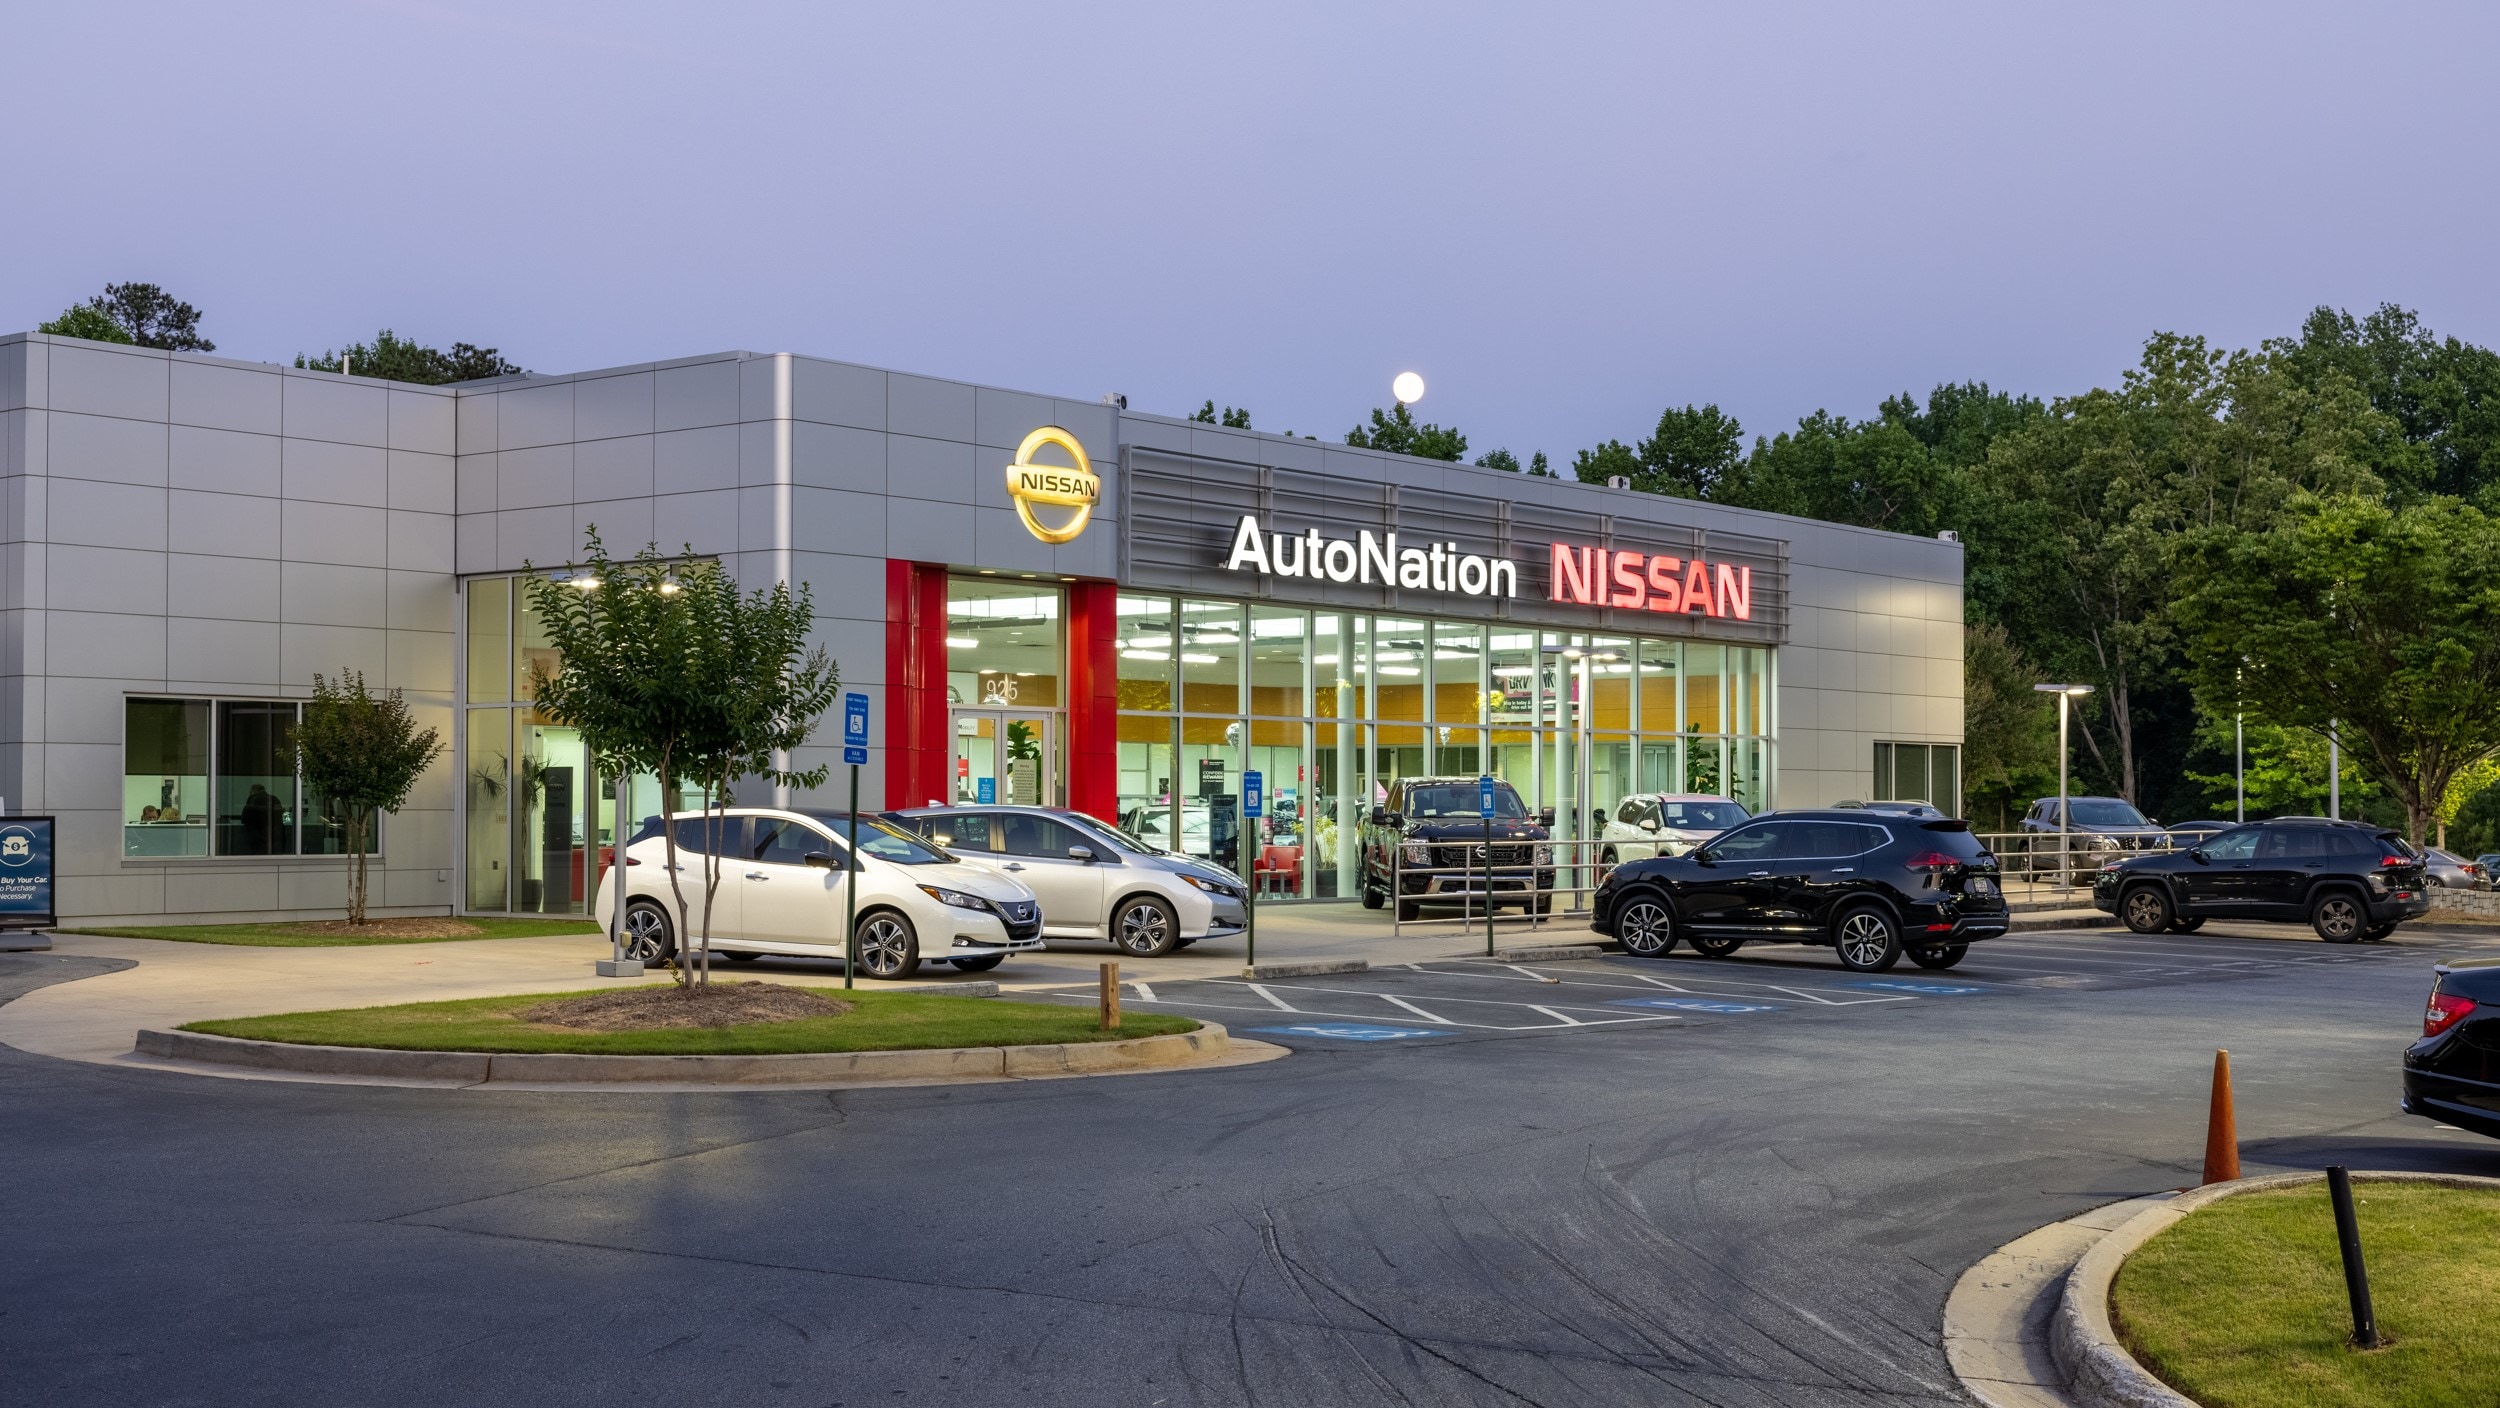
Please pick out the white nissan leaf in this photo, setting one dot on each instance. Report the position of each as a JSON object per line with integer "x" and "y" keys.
{"x": 783, "y": 887}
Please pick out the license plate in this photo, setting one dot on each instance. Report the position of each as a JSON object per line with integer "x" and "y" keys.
{"x": 1982, "y": 885}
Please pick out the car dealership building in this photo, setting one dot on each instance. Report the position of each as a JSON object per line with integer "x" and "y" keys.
{"x": 1050, "y": 600}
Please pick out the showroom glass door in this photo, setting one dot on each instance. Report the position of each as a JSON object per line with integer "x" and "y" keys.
{"x": 1006, "y": 756}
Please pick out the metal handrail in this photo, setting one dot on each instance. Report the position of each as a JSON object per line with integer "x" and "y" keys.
{"x": 1573, "y": 865}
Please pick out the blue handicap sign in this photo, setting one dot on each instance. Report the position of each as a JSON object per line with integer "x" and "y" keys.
{"x": 986, "y": 791}
{"x": 1910, "y": 985}
{"x": 855, "y": 720}
{"x": 1693, "y": 1004}
{"x": 1349, "y": 1031}
{"x": 1484, "y": 796}
{"x": 1253, "y": 795}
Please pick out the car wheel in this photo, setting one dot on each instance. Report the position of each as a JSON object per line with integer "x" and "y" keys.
{"x": 2377, "y": 932}
{"x": 1645, "y": 927}
{"x": 1939, "y": 956}
{"x": 979, "y": 965}
{"x": 737, "y": 955}
{"x": 2338, "y": 918}
{"x": 1715, "y": 948}
{"x": 2186, "y": 926}
{"x": 1867, "y": 940}
{"x": 1409, "y": 911}
{"x": 1372, "y": 897}
{"x": 2146, "y": 909}
{"x": 887, "y": 946}
{"x": 1544, "y": 903}
{"x": 1144, "y": 927}
{"x": 648, "y": 936}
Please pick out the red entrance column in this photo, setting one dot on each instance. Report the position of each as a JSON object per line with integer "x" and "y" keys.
{"x": 916, "y": 747}
{"x": 1094, "y": 699}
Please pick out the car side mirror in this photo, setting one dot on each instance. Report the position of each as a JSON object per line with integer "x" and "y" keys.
{"x": 1650, "y": 825}
{"x": 1380, "y": 816}
{"x": 1597, "y": 816}
{"x": 821, "y": 861}
{"x": 2198, "y": 855}
{"x": 1703, "y": 858}
{"x": 1545, "y": 817}
{"x": 1085, "y": 853}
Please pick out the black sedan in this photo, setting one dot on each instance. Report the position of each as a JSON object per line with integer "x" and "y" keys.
{"x": 2453, "y": 1073}
{"x": 1871, "y": 885}
{"x": 2346, "y": 879}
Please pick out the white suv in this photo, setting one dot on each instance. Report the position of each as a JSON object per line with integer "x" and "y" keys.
{"x": 782, "y": 891}
{"x": 1649, "y": 824}
{"x": 1095, "y": 880}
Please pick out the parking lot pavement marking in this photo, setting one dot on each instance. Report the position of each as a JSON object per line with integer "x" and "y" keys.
{"x": 1557, "y": 1016}
{"x": 1696, "y": 1004}
{"x": 1347, "y": 1031}
{"x": 1912, "y": 985}
{"x": 1411, "y": 1007}
{"x": 1144, "y": 993}
{"x": 1703, "y": 984}
{"x": 1273, "y": 1000}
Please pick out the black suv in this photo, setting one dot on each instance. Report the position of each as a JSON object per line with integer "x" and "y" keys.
{"x": 1872, "y": 885}
{"x": 1430, "y": 824}
{"x": 2346, "y": 879}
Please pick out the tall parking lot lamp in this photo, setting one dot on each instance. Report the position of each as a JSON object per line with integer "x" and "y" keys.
{"x": 2066, "y": 696}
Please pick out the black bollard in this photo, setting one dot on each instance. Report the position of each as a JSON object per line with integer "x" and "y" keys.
{"x": 2356, "y": 1275}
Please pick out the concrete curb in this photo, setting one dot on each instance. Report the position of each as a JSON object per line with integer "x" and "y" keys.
{"x": 26, "y": 941}
{"x": 2083, "y": 1341}
{"x": 1306, "y": 970}
{"x": 1550, "y": 953}
{"x": 2033, "y": 924}
{"x": 1205, "y": 1046}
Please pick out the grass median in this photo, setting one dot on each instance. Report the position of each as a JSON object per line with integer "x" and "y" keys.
{"x": 2242, "y": 1305}
{"x": 337, "y": 933}
{"x": 876, "y": 1021}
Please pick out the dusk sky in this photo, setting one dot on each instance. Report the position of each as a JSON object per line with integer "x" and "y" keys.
{"x": 1565, "y": 216}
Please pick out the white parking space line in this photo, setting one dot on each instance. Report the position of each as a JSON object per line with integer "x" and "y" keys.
{"x": 1557, "y": 1016}
{"x": 1706, "y": 985}
{"x": 1144, "y": 993}
{"x": 1561, "y": 1022}
{"x": 1411, "y": 1007}
{"x": 1272, "y": 999}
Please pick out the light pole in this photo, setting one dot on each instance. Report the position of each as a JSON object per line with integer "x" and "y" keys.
{"x": 2066, "y": 695}
{"x": 2334, "y": 773}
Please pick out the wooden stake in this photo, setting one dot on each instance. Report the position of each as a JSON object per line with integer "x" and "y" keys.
{"x": 2222, "y": 1140}
{"x": 1111, "y": 997}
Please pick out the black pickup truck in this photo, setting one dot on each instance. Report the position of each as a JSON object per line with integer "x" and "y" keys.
{"x": 1427, "y": 845}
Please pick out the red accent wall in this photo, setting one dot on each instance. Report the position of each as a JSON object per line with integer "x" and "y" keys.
{"x": 1094, "y": 698}
{"x": 915, "y": 684}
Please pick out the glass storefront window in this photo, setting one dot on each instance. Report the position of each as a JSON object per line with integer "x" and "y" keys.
{"x": 550, "y": 793}
{"x": 1510, "y": 676}
{"x": 1661, "y": 767}
{"x": 1704, "y": 665}
{"x": 1002, "y": 642}
{"x": 1146, "y": 643}
{"x": 165, "y": 777}
{"x": 1210, "y": 657}
{"x": 1457, "y": 673}
{"x": 1339, "y": 665}
{"x": 1400, "y": 652}
{"x": 1146, "y": 775}
{"x": 1660, "y": 686}
{"x": 489, "y": 786}
{"x": 255, "y": 784}
{"x": 1210, "y": 788}
{"x": 490, "y": 640}
{"x": 1279, "y": 646}
{"x": 1611, "y": 672}
{"x": 1277, "y": 847}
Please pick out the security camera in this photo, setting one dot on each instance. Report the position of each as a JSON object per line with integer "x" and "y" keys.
{"x": 1115, "y": 399}
{"x": 1618, "y": 481}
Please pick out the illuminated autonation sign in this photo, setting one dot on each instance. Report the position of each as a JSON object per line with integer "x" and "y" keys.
{"x": 1438, "y": 568}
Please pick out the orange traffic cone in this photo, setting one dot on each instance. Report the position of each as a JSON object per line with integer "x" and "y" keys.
{"x": 2222, "y": 1138}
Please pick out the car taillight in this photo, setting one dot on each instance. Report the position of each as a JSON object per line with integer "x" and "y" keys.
{"x": 2386, "y": 862}
{"x": 2446, "y": 1010}
{"x": 1933, "y": 863}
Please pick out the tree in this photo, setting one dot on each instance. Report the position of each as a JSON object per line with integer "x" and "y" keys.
{"x": 148, "y": 315}
{"x": 390, "y": 357}
{"x": 1237, "y": 419}
{"x": 362, "y": 754}
{"x": 2318, "y": 621}
{"x": 1690, "y": 454}
{"x": 2442, "y": 395}
{"x": 1610, "y": 461}
{"x": 668, "y": 669}
{"x": 87, "y": 321}
{"x": 1505, "y": 460}
{"x": 2009, "y": 742}
{"x": 1396, "y": 431}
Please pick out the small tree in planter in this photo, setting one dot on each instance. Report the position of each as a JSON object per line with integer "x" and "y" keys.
{"x": 669, "y": 669}
{"x": 363, "y": 753}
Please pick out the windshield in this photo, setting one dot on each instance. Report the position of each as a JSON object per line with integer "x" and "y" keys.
{"x": 2102, "y": 811}
{"x": 1702, "y": 816}
{"x": 1459, "y": 799}
{"x": 880, "y": 839}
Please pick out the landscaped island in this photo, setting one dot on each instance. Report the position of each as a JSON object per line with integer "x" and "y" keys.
{"x": 728, "y": 1019}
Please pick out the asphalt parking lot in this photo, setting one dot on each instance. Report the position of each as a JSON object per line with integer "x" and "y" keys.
{"x": 1555, "y": 1198}
{"x": 1463, "y": 999}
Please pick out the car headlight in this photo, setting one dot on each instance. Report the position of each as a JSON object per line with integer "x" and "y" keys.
{"x": 1212, "y": 887}
{"x": 957, "y": 898}
{"x": 1545, "y": 855}
{"x": 1416, "y": 853}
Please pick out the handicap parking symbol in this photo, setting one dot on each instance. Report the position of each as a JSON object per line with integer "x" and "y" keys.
{"x": 1693, "y": 1004}
{"x": 1349, "y": 1031}
{"x": 1907, "y": 985}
